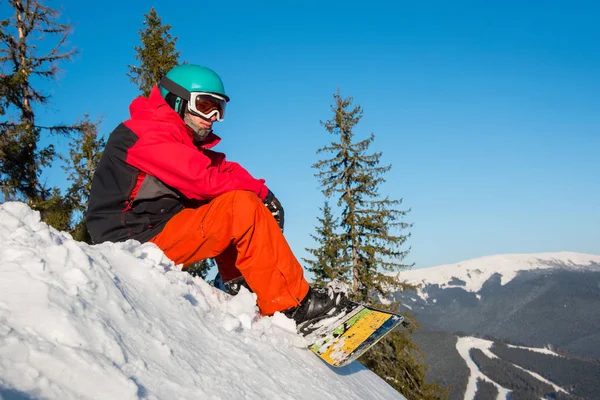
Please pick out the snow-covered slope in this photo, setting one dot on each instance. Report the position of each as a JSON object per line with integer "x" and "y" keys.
{"x": 472, "y": 274}
{"x": 120, "y": 321}
{"x": 465, "y": 344}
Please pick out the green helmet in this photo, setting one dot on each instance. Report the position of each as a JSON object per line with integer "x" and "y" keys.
{"x": 191, "y": 78}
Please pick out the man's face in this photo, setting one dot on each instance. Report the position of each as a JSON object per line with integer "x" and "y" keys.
{"x": 202, "y": 122}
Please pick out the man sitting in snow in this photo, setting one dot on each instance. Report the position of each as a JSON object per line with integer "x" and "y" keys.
{"x": 159, "y": 181}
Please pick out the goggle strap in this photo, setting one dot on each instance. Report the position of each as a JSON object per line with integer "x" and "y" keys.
{"x": 174, "y": 88}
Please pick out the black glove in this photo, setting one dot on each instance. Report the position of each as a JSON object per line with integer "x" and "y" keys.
{"x": 275, "y": 207}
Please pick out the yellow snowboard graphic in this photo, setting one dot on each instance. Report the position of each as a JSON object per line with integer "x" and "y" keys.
{"x": 346, "y": 340}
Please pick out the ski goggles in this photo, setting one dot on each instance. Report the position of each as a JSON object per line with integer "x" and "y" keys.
{"x": 207, "y": 105}
{"x": 202, "y": 104}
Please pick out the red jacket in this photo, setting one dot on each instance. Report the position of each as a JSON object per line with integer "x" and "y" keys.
{"x": 151, "y": 169}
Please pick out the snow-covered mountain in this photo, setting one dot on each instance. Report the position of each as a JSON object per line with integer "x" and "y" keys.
{"x": 530, "y": 299}
{"x": 471, "y": 275}
{"x": 539, "y": 301}
{"x": 120, "y": 321}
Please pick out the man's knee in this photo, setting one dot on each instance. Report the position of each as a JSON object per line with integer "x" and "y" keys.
{"x": 245, "y": 199}
{"x": 239, "y": 201}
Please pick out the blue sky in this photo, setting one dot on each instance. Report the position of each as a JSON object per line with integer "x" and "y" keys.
{"x": 488, "y": 113}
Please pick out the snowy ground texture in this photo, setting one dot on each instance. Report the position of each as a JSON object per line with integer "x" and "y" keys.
{"x": 120, "y": 321}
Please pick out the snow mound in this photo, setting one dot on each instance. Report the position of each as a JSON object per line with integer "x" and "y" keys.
{"x": 121, "y": 321}
{"x": 472, "y": 274}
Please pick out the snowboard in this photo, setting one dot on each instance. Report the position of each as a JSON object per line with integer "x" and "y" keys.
{"x": 341, "y": 339}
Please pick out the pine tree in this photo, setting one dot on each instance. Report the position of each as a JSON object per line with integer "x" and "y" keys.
{"x": 156, "y": 54}
{"x": 371, "y": 242}
{"x": 21, "y": 161}
{"x": 201, "y": 268}
{"x": 399, "y": 361}
{"x": 328, "y": 263}
{"x": 55, "y": 209}
{"x": 85, "y": 151}
{"x": 371, "y": 225}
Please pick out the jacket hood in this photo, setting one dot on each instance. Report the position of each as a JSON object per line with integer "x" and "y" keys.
{"x": 155, "y": 109}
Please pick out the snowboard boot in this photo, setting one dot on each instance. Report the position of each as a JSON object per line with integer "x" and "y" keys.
{"x": 231, "y": 287}
{"x": 319, "y": 303}
{"x": 234, "y": 286}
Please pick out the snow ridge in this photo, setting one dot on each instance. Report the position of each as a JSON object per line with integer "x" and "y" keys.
{"x": 122, "y": 321}
{"x": 470, "y": 275}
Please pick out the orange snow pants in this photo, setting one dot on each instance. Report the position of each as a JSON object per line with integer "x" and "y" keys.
{"x": 239, "y": 232}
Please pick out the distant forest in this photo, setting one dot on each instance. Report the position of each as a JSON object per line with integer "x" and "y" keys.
{"x": 485, "y": 390}
{"x": 580, "y": 378}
